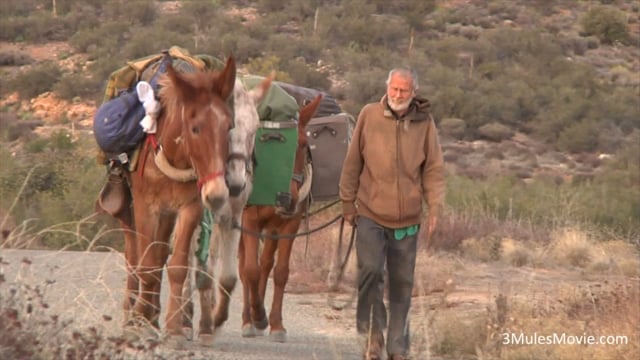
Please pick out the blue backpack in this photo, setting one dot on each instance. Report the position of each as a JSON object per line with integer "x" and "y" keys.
{"x": 116, "y": 123}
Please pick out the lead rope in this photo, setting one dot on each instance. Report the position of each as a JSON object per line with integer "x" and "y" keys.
{"x": 334, "y": 285}
{"x": 306, "y": 224}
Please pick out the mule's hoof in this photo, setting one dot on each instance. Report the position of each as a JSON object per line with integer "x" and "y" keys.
{"x": 176, "y": 341}
{"x": 249, "y": 331}
{"x": 187, "y": 333}
{"x": 206, "y": 339}
{"x": 139, "y": 330}
{"x": 262, "y": 324}
{"x": 278, "y": 336}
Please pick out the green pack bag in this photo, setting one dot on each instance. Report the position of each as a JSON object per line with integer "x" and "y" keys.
{"x": 275, "y": 146}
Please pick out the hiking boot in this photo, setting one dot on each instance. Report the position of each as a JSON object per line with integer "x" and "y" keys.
{"x": 397, "y": 357}
{"x": 115, "y": 194}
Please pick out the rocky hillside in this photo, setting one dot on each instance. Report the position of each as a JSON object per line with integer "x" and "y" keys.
{"x": 519, "y": 154}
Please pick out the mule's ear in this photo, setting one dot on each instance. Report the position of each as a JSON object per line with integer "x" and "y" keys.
{"x": 183, "y": 88}
{"x": 307, "y": 111}
{"x": 258, "y": 92}
{"x": 226, "y": 79}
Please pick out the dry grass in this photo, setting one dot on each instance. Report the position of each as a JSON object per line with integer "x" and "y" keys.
{"x": 32, "y": 328}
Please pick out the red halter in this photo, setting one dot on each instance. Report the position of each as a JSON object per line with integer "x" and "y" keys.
{"x": 212, "y": 176}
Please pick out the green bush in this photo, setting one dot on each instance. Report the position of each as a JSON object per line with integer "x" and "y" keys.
{"x": 77, "y": 85}
{"x": 140, "y": 12}
{"x": 495, "y": 132}
{"x": 13, "y": 58}
{"x": 607, "y": 23}
{"x": 306, "y": 75}
{"x": 37, "y": 80}
{"x": 608, "y": 203}
{"x": 453, "y": 127}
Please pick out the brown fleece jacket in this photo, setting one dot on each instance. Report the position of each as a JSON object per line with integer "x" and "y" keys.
{"x": 392, "y": 165}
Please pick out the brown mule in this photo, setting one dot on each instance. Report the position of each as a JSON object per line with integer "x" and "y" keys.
{"x": 272, "y": 221}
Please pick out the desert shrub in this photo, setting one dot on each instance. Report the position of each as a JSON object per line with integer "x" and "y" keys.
{"x": 13, "y": 28}
{"x": 365, "y": 85}
{"x": 147, "y": 41}
{"x": 549, "y": 204}
{"x": 31, "y": 330}
{"x": 306, "y": 75}
{"x": 37, "y": 80}
{"x": 61, "y": 140}
{"x": 453, "y": 127}
{"x": 459, "y": 339}
{"x": 141, "y": 12}
{"x": 241, "y": 45}
{"x": 607, "y": 23}
{"x": 100, "y": 41}
{"x": 77, "y": 85}
{"x": 270, "y": 5}
{"x": 572, "y": 247}
{"x": 13, "y": 58}
{"x": 288, "y": 49}
{"x": 59, "y": 184}
{"x": 576, "y": 45}
{"x": 265, "y": 65}
{"x": 39, "y": 26}
{"x": 17, "y": 8}
{"x": 481, "y": 249}
{"x": 495, "y": 132}
{"x": 579, "y": 136}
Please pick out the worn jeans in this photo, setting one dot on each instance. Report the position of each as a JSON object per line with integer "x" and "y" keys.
{"x": 375, "y": 247}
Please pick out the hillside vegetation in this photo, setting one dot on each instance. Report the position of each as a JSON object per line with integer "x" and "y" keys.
{"x": 526, "y": 95}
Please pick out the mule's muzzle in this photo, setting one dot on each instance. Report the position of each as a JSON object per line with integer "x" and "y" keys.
{"x": 236, "y": 190}
{"x": 215, "y": 202}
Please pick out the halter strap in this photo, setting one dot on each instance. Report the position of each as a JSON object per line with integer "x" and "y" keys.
{"x": 208, "y": 178}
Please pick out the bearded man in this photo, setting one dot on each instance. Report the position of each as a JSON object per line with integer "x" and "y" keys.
{"x": 393, "y": 164}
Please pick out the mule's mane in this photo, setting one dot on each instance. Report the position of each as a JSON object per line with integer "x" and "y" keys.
{"x": 199, "y": 85}
{"x": 245, "y": 109}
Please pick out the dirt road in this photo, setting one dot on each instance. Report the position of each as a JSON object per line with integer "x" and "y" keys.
{"x": 86, "y": 286}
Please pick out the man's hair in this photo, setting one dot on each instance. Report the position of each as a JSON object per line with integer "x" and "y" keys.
{"x": 405, "y": 72}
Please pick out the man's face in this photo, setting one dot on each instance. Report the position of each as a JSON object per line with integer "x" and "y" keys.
{"x": 399, "y": 92}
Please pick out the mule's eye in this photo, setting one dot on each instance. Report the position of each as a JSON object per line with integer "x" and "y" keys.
{"x": 195, "y": 130}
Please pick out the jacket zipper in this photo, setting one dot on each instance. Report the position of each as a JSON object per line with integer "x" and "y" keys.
{"x": 400, "y": 202}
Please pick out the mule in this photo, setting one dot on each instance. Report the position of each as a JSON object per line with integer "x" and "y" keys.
{"x": 182, "y": 169}
{"x": 225, "y": 235}
{"x": 277, "y": 225}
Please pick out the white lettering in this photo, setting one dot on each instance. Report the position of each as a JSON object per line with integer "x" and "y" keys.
{"x": 562, "y": 339}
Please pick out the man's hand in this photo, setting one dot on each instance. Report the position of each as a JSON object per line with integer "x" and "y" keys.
{"x": 350, "y": 218}
{"x": 432, "y": 222}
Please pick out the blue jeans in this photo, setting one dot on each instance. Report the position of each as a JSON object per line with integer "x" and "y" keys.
{"x": 376, "y": 247}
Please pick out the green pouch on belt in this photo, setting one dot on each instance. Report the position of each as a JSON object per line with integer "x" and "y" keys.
{"x": 401, "y": 233}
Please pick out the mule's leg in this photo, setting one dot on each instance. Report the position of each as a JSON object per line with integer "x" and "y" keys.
{"x": 204, "y": 283}
{"x": 280, "y": 277}
{"x": 187, "y": 290}
{"x": 228, "y": 254}
{"x": 149, "y": 268}
{"x": 267, "y": 259}
{"x": 131, "y": 259}
{"x": 247, "y": 326}
{"x": 251, "y": 272}
{"x": 164, "y": 229}
{"x": 188, "y": 219}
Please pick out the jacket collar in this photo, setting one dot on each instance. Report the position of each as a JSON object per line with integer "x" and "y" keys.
{"x": 418, "y": 110}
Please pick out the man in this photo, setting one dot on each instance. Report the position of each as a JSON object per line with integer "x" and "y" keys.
{"x": 393, "y": 163}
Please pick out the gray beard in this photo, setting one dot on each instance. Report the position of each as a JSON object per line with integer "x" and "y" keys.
{"x": 399, "y": 107}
